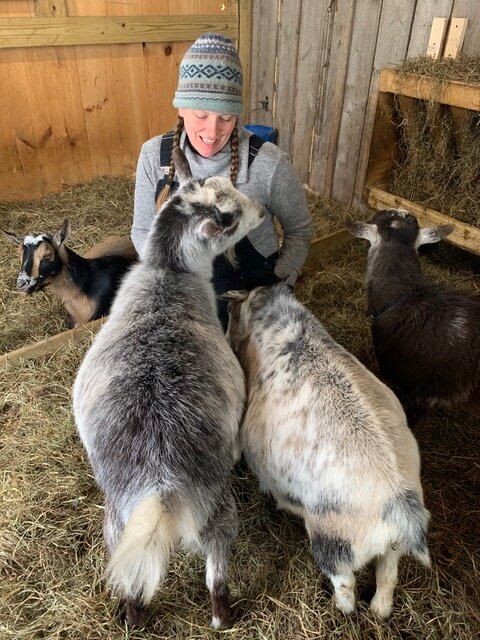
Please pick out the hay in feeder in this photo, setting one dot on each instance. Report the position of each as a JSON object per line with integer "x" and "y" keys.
{"x": 462, "y": 69}
{"x": 97, "y": 209}
{"x": 52, "y": 558}
{"x": 437, "y": 163}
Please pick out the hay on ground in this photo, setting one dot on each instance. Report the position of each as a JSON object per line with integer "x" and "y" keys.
{"x": 52, "y": 558}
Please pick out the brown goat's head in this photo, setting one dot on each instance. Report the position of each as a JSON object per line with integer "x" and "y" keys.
{"x": 40, "y": 257}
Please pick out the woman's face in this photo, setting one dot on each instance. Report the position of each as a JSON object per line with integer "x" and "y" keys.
{"x": 208, "y": 132}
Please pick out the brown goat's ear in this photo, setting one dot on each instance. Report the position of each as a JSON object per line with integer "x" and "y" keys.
{"x": 63, "y": 233}
{"x": 182, "y": 168}
{"x": 429, "y": 235}
{"x": 362, "y": 229}
{"x": 13, "y": 237}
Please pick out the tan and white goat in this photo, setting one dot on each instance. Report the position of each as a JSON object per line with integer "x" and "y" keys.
{"x": 330, "y": 442}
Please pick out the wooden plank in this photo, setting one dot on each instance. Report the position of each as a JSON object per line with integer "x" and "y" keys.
{"x": 326, "y": 246}
{"x": 99, "y": 99}
{"x": 456, "y": 34}
{"x": 392, "y": 42}
{"x": 469, "y": 9}
{"x": 361, "y": 59}
{"x": 327, "y": 122}
{"x": 264, "y": 46}
{"x": 312, "y": 40}
{"x": 130, "y": 91}
{"x": 437, "y": 37}
{"x": 17, "y": 8}
{"x": 50, "y": 8}
{"x": 464, "y": 235}
{"x": 76, "y": 30}
{"x": 287, "y": 65}
{"x": 455, "y": 94}
{"x": 245, "y": 50}
{"x": 51, "y": 344}
{"x": 425, "y": 12}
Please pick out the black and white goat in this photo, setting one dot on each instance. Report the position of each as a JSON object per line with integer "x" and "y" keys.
{"x": 426, "y": 336}
{"x": 86, "y": 286}
{"x": 159, "y": 398}
{"x": 330, "y": 442}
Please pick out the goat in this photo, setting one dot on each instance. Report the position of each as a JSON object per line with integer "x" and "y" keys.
{"x": 159, "y": 398}
{"x": 86, "y": 286}
{"x": 426, "y": 336}
{"x": 330, "y": 442}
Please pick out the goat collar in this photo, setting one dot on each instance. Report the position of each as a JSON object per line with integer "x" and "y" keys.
{"x": 388, "y": 307}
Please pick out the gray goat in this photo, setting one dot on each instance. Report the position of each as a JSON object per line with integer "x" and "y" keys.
{"x": 330, "y": 442}
{"x": 159, "y": 398}
{"x": 426, "y": 336}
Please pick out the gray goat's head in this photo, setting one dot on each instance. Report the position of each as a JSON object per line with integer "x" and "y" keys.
{"x": 40, "y": 257}
{"x": 201, "y": 220}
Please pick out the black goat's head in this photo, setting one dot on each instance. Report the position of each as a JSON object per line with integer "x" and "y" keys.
{"x": 400, "y": 227}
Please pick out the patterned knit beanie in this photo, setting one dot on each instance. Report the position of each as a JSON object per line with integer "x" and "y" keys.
{"x": 210, "y": 76}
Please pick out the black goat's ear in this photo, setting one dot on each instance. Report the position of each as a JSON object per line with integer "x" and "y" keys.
{"x": 63, "y": 233}
{"x": 430, "y": 235}
{"x": 362, "y": 229}
{"x": 182, "y": 168}
{"x": 13, "y": 237}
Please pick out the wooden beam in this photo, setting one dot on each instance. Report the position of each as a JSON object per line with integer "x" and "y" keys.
{"x": 244, "y": 50}
{"x": 455, "y": 94}
{"x": 464, "y": 235}
{"x": 77, "y": 30}
{"x": 51, "y": 344}
{"x": 456, "y": 34}
{"x": 326, "y": 245}
{"x": 437, "y": 36}
{"x": 50, "y": 8}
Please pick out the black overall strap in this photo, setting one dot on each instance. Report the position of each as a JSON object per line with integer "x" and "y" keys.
{"x": 254, "y": 145}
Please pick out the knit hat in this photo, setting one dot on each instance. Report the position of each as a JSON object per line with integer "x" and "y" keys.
{"x": 210, "y": 76}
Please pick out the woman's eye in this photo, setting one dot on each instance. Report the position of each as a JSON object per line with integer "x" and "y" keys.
{"x": 226, "y": 118}
{"x": 201, "y": 116}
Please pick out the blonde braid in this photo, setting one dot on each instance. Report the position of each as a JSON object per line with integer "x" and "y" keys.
{"x": 165, "y": 192}
{"x": 234, "y": 160}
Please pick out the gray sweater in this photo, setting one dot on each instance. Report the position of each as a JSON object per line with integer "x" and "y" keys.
{"x": 269, "y": 180}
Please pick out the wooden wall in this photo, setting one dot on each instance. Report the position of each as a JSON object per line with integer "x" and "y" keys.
{"x": 318, "y": 61}
{"x": 70, "y": 113}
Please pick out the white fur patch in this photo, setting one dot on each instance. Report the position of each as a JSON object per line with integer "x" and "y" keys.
{"x": 29, "y": 239}
{"x": 216, "y": 623}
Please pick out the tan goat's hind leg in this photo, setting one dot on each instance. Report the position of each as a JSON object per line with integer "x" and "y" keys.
{"x": 386, "y": 575}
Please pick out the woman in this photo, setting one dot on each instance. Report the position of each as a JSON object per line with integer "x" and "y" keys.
{"x": 209, "y": 131}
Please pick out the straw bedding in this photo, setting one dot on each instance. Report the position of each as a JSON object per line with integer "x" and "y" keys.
{"x": 51, "y": 553}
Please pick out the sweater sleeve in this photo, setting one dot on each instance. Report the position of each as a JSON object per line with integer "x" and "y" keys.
{"x": 288, "y": 203}
{"x": 144, "y": 207}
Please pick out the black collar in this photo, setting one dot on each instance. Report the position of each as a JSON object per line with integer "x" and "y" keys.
{"x": 388, "y": 307}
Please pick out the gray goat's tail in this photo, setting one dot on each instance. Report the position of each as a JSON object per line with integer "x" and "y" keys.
{"x": 411, "y": 518}
{"x": 140, "y": 561}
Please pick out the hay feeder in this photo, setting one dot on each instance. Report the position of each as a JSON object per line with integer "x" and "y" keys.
{"x": 462, "y": 98}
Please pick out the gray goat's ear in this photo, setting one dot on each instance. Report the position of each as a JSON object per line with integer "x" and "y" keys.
{"x": 239, "y": 295}
{"x": 362, "y": 230}
{"x": 429, "y": 235}
{"x": 182, "y": 168}
{"x": 208, "y": 229}
{"x": 13, "y": 237}
{"x": 63, "y": 233}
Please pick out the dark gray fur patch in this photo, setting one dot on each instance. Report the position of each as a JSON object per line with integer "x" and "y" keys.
{"x": 331, "y": 552}
{"x": 327, "y": 505}
{"x": 411, "y": 517}
{"x": 295, "y": 502}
